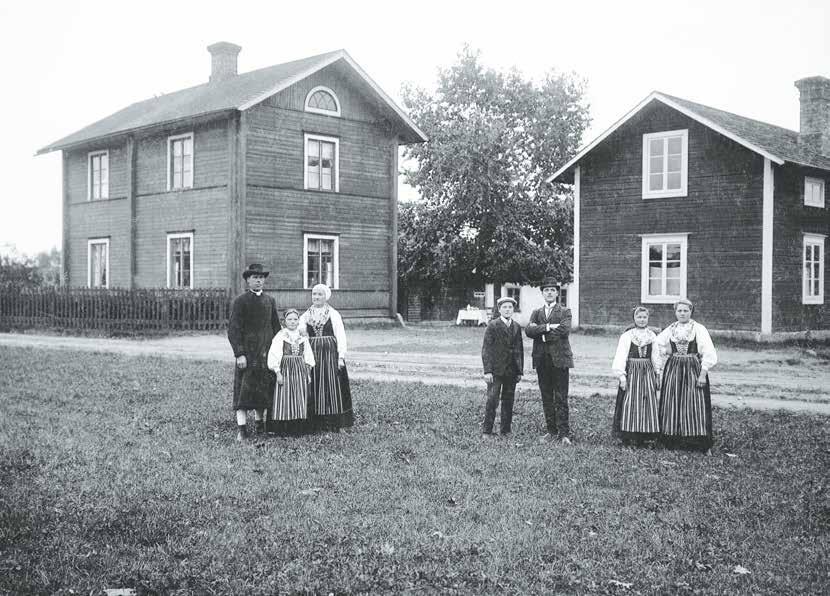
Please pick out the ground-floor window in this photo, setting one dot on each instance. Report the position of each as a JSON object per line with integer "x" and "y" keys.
{"x": 180, "y": 260}
{"x": 663, "y": 274}
{"x": 513, "y": 291}
{"x": 98, "y": 263}
{"x": 321, "y": 264}
{"x": 813, "y": 270}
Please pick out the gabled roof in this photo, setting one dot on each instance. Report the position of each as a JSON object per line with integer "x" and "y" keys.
{"x": 779, "y": 145}
{"x": 239, "y": 92}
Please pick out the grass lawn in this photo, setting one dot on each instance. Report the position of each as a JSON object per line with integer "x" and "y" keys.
{"x": 120, "y": 471}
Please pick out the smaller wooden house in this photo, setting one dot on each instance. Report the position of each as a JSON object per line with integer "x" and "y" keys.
{"x": 294, "y": 166}
{"x": 678, "y": 199}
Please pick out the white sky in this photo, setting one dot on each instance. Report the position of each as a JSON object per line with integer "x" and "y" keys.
{"x": 66, "y": 64}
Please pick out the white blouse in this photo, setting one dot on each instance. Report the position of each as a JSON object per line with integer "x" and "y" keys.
{"x": 275, "y": 353}
{"x": 623, "y": 347}
{"x": 708, "y": 355}
{"x": 337, "y": 327}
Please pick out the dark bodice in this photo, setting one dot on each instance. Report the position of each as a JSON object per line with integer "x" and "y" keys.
{"x": 691, "y": 349}
{"x": 290, "y": 349}
{"x": 634, "y": 351}
{"x": 327, "y": 330}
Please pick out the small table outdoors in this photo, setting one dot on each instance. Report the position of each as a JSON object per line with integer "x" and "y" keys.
{"x": 475, "y": 316}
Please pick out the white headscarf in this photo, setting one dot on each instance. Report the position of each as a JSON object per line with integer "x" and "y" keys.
{"x": 324, "y": 287}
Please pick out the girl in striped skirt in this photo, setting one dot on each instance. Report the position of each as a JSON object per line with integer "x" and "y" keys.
{"x": 686, "y": 356}
{"x": 330, "y": 401}
{"x": 635, "y": 414}
{"x": 292, "y": 359}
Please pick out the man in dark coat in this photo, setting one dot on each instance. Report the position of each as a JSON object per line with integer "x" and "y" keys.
{"x": 502, "y": 355}
{"x": 252, "y": 325}
{"x": 549, "y": 327}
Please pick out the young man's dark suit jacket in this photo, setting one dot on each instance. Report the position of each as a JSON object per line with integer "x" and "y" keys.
{"x": 502, "y": 353}
{"x": 555, "y": 345}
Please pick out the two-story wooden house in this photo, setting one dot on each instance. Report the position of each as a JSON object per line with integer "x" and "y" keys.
{"x": 294, "y": 166}
{"x": 680, "y": 199}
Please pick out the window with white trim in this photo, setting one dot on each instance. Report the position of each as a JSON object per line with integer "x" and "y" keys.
{"x": 563, "y": 295}
{"x": 180, "y": 260}
{"x": 665, "y": 164}
{"x": 813, "y": 270}
{"x": 322, "y": 163}
{"x": 663, "y": 268}
{"x": 322, "y": 100}
{"x": 98, "y": 263}
{"x": 180, "y": 161}
{"x": 99, "y": 175}
{"x": 814, "y": 192}
{"x": 321, "y": 262}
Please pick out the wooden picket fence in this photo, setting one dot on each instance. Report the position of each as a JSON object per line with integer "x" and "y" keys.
{"x": 138, "y": 310}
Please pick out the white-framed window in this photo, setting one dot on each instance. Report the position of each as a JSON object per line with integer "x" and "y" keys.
{"x": 563, "y": 295}
{"x": 513, "y": 291}
{"x": 321, "y": 258}
{"x": 665, "y": 164}
{"x": 180, "y": 161}
{"x": 98, "y": 263}
{"x": 813, "y": 270}
{"x": 98, "y": 180}
{"x": 663, "y": 268}
{"x": 322, "y": 163}
{"x": 180, "y": 260}
{"x": 322, "y": 100}
{"x": 814, "y": 192}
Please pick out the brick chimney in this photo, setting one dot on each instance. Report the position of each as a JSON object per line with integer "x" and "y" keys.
{"x": 814, "y": 127}
{"x": 223, "y": 60}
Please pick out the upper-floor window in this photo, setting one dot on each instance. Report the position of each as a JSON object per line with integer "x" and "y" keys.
{"x": 665, "y": 164}
{"x": 813, "y": 276}
{"x": 180, "y": 161}
{"x": 98, "y": 263}
{"x": 99, "y": 175}
{"x": 180, "y": 260}
{"x": 322, "y": 159}
{"x": 814, "y": 192}
{"x": 663, "y": 273}
{"x": 322, "y": 258}
{"x": 322, "y": 100}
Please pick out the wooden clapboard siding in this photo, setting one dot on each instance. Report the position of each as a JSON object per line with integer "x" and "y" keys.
{"x": 348, "y": 302}
{"x": 203, "y": 212}
{"x": 277, "y": 220}
{"x": 275, "y": 150}
{"x": 78, "y": 172}
{"x": 725, "y": 189}
{"x": 792, "y": 218}
{"x": 210, "y": 157}
{"x": 99, "y": 219}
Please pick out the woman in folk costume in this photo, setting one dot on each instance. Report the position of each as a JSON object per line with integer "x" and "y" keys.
{"x": 330, "y": 400}
{"x": 686, "y": 356}
{"x": 635, "y": 415}
{"x": 292, "y": 359}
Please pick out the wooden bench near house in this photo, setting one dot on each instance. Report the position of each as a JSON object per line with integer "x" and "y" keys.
{"x": 294, "y": 166}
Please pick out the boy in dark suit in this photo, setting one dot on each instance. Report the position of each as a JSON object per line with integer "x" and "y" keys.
{"x": 549, "y": 328}
{"x": 502, "y": 355}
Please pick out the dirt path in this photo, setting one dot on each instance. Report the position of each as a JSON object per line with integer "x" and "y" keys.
{"x": 769, "y": 380}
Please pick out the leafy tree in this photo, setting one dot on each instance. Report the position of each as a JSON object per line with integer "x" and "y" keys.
{"x": 49, "y": 266}
{"x": 486, "y": 213}
{"x": 18, "y": 272}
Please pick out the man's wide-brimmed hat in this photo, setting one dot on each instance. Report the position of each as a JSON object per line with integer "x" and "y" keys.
{"x": 504, "y": 299}
{"x": 549, "y": 282}
{"x": 255, "y": 269}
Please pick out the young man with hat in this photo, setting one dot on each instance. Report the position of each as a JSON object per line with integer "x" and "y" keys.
{"x": 253, "y": 323}
{"x": 502, "y": 355}
{"x": 549, "y": 327}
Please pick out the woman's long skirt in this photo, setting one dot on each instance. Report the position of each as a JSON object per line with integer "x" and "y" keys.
{"x": 330, "y": 397}
{"x": 636, "y": 413}
{"x": 289, "y": 412}
{"x": 685, "y": 408}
